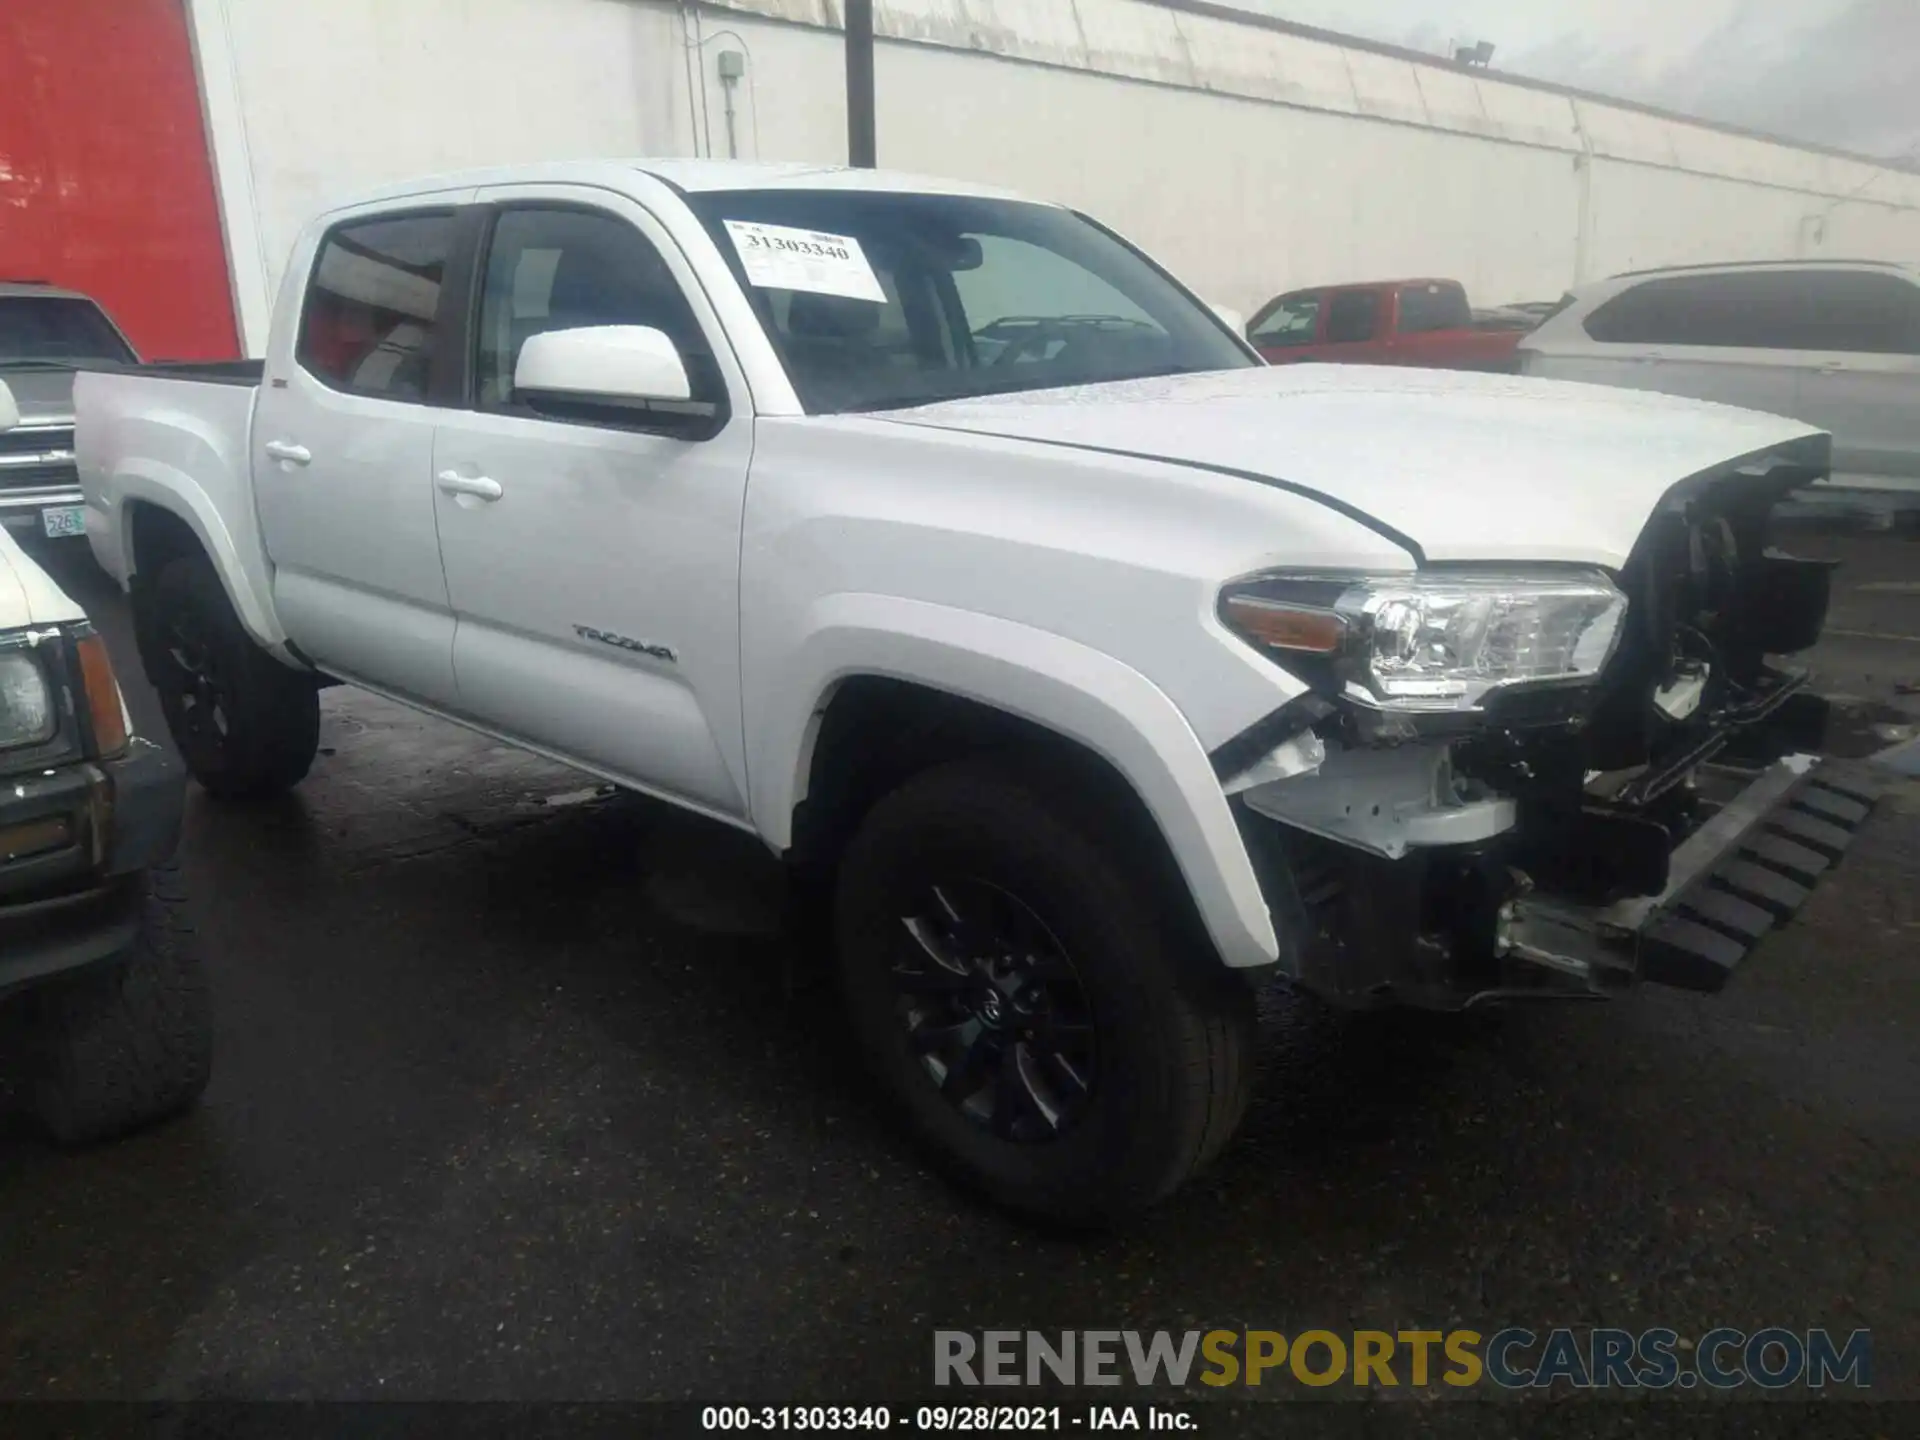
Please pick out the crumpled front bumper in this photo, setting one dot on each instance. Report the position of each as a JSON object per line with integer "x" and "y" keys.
{"x": 1748, "y": 869}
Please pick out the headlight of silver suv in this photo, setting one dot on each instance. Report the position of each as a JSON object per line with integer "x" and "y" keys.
{"x": 1435, "y": 640}
{"x": 26, "y": 705}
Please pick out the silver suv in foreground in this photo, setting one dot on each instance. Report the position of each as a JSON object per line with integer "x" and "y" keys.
{"x": 1835, "y": 343}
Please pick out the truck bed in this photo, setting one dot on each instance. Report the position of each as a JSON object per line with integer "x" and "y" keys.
{"x": 178, "y": 433}
{"x": 213, "y": 372}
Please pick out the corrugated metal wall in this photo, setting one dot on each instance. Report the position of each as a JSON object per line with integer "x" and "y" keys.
{"x": 105, "y": 184}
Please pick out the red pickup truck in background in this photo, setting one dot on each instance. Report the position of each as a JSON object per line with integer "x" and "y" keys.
{"x": 1388, "y": 322}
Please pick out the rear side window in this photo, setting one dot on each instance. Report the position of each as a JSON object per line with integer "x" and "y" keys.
{"x": 1353, "y": 315}
{"x": 1861, "y": 312}
{"x": 1434, "y": 306}
{"x": 1291, "y": 321}
{"x": 1761, "y": 310}
{"x": 369, "y": 322}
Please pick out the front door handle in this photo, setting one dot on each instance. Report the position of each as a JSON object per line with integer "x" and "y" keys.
{"x": 288, "y": 451}
{"x": 478, "y": 486}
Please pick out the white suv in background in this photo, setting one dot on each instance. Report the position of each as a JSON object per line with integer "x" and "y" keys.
{"x": 1834, "y": 343}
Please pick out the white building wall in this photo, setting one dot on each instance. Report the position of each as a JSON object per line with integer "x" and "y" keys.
{"x": 1250, "y": 160}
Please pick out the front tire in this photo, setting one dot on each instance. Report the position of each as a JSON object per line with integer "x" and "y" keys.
{"x": 246, "y": 725}
{"x": 1021, "y": 989}
{"x": 130, "y": 1041}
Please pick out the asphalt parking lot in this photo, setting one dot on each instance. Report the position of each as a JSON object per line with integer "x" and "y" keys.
{"x": 520, "y": 1094}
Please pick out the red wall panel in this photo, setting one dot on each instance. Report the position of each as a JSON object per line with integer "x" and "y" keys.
{"x": 105, "y": 184}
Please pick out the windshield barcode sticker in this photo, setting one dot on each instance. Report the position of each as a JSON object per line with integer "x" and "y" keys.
{"x": 778, "y": 257}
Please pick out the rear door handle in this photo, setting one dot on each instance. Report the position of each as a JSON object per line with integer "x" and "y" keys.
{"x": 288, "y": 451}
{"x": 478, "y": 486}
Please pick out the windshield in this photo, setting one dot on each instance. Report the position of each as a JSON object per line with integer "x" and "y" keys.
{"x": 56, "y": 330}
{"x": 877, "y": 300}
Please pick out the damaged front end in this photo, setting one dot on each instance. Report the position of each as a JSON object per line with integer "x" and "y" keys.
{"x": 1585, "y": 780}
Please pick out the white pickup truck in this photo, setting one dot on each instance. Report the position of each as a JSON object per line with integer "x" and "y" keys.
{"x": 947, "y": 543}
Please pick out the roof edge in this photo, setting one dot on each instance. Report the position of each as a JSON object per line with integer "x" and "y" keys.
{"x": 1213, "y": 10}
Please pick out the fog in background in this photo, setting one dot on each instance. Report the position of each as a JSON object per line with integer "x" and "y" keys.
{"x": 1844, "y": 73}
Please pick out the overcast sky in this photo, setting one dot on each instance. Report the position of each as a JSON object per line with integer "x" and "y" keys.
{"x": 1836, "y": 72}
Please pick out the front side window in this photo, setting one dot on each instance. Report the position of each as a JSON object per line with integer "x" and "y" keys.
{"x": 878, "y": 300}
{"x": 1763, "y": 309}
{"x": 1353, "y": 315}
{"x": 554, "y": 268}
{"x": 58, "y": 330}
{"x": 370, "y": 316}
{"x": 1292, "y": 321}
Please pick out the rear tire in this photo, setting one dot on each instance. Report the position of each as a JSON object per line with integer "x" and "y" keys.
{"x": 1167, "y": 1035}
{"x": 130, "y": 1041}
{"x": 246, "y": 725}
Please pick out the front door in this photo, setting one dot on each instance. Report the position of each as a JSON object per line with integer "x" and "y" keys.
{"x": 343, "y": 459}
{"x": 594, "y": 568}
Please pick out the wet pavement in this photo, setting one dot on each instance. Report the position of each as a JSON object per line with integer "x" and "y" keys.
{"x": 520, "y": 1093}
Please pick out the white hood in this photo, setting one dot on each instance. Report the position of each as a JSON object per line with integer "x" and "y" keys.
{"x": 1466, "y": 466}
{"x": 27, "y": 595}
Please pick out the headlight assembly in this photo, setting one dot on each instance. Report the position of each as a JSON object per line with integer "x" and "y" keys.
{"x": 26, "y": 705}
{"x": 1435, "y": 640}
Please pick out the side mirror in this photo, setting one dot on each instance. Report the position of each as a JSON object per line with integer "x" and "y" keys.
{"x": 1231, "y": 318}
{"x": 9, "y": 409}
{"x": 602, "y": 365}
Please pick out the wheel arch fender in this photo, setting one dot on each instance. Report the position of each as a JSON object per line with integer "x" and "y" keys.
{"x": 151, "y": 485}
{"x": 1048, "y": 680}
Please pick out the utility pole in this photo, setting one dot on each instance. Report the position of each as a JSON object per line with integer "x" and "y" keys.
{"x": 860, "y": 141}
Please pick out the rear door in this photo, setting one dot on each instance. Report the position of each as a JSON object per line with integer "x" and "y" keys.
{"x": 596, "y": 580}
{"x": 1860, "y": 376}
{"x": 342, "y": 452}
{"x": 1356, "y": 322}
{"x": 1432, "y": 323}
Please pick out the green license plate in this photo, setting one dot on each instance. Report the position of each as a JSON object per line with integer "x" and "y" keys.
{"x": 64, "y": 520}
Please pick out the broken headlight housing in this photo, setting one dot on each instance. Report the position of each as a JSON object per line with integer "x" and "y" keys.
{"x": 1434, "y": 640}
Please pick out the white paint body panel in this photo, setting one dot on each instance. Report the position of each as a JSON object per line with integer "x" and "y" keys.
{"x": 677, "y": 615}
{"x": 28, "y": 595}
{"x": 350, "y": 530}
{"x": 1468, "y": 466}
{"x": 650, "y": 526}
{"x": 624, "y": 360}
{"x": 182, "y": 445}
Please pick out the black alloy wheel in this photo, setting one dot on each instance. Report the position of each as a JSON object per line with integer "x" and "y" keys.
{"x": 995, "y": 1011}
{"x": 201, "y": 715}
{"x": 1026, "y": 993}
{"x": 246, "y": 725}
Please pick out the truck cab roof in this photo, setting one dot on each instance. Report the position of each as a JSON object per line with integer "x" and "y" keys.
{"x": 692, "y": 176}
{"x": 37, "y": 289}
